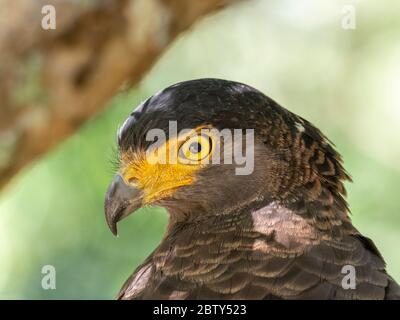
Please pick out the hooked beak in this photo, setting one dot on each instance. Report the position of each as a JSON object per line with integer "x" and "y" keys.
{"x": 121, "y": 200}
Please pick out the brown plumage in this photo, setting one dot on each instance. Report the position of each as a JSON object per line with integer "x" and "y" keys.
{"x": 282, "y": 232}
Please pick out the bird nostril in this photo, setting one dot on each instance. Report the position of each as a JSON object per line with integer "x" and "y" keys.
{"x": 132, "y": 180}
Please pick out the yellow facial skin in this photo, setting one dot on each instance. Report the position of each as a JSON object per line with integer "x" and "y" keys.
{"x": 160, "y": 171}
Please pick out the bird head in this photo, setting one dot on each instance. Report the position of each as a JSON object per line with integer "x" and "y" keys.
{"x": 209, "y": 145}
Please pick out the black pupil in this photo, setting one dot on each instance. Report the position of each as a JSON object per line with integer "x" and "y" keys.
{"x": 195, "y": 147}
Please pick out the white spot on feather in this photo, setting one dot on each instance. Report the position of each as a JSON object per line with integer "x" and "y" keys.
{"x": 121, "y": 128}
{"x": 137, "y": 109}
{"x": 300, "y": 127}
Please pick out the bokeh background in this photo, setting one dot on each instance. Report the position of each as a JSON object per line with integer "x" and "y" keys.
{"x": 347, "y": 82}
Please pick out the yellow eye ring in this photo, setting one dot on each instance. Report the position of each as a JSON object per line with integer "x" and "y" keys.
{"x": 195, "y": 149}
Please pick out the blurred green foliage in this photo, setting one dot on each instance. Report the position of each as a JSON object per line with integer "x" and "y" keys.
{"x": 347, "y": 82}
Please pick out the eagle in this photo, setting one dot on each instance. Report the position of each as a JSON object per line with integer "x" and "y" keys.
{"x": 275, "y": 226}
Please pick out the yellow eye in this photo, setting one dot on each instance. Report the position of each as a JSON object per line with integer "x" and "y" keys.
{"x": 195, "y": 149}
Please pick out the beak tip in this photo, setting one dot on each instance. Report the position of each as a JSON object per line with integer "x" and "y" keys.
{"x": 113, "y": 227}
{"x": 114, "y": 230}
